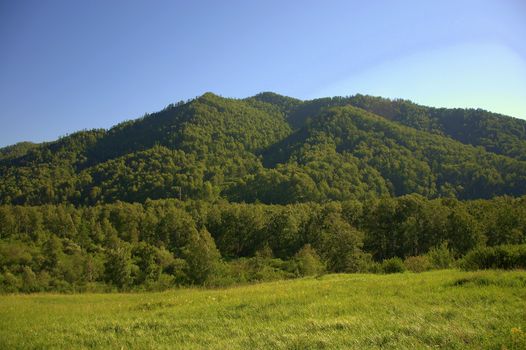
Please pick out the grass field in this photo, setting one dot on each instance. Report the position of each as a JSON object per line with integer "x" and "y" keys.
{"x": 440, "y": 309}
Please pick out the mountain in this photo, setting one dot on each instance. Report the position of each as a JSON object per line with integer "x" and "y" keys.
{"x": 272, "y": 187}
{"x": 275, "y": 149}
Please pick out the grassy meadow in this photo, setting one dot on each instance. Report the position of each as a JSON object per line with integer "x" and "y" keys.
{"x": 440, "y": 309}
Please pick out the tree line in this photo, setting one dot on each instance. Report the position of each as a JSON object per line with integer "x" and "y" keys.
{"x": 164, "y": 243}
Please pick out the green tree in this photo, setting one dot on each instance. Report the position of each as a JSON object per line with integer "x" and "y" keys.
{"x": 202, "y": 257}
{"x": 338, "y": 243}
{"x": 306, "y": 262}
{"x": 52, "y": 251}
{"x": 118, "y": 266}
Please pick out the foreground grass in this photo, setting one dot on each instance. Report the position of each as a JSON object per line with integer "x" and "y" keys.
{"x": 441, "y": 309}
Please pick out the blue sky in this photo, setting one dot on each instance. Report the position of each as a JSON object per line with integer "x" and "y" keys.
{"x": 71, "y": 65}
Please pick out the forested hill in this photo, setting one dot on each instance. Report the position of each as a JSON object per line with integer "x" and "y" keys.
{"x": 275, "y": 149}
{"x": 495, "y": 132}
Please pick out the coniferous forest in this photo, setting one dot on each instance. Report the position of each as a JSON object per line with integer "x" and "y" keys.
{"x": 217, "y": 191}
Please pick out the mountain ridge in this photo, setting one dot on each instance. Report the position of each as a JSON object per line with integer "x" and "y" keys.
{"x": 213, "y": 147}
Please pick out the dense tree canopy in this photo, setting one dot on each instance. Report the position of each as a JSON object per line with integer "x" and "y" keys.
{"x": 169, "y": 242}
{"x": 215, "y": 191}
{"x": 275, "y": 149}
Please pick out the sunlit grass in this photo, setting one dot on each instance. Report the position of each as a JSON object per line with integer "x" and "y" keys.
{"x": 440, "y": 309}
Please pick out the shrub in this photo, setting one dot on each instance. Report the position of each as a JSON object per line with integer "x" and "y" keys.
{"x": 9, "y": 283}
{"x": 271, "y": 272}
{"x": 256, "y": 269}
{"x": 499, "y": 257}
{"x": 61, "y": 286}
{"x": 393, "y": 265}
{"x": 361, "y": 262}
{"x": 440, "y": 257}
{"x": 417, "y": 263}
{"x": 164, "y": 282}
{"x": 307, "y": 262}
{"x": 224, "y": 276}
{"x": 29, "y": 280}
{"x": 374, "y": 267}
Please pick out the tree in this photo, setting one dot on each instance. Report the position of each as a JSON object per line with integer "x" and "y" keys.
{"x": 338, "y": 242}
{"x": 440, "y": 256}
{"x": 148, "y": 261}
{"x": 307, "y": 262}
{"x": 464, "y": 231}
{"x": 202, "y": 257}
{"x": 118, "y": 266}
{"x": 52, "y": 250}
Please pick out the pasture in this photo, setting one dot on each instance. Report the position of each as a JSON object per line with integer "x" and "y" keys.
{"x": 439, "y": 309}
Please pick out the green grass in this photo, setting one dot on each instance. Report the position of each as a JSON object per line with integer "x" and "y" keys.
{"x": 440, "y": 309}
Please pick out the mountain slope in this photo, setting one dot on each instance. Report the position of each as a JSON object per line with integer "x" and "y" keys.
{"x": 219, "y": 136}
{"x": 275, "y": 149}
{"x": 350, "y": 153}
{"x": 495, "y": 132}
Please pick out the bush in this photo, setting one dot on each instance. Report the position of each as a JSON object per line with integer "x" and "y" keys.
{"x": 499, "y": 257}
{"x": 164, "y": 282}
{"x": 361, "y": 262}
{"x": 440, "y": 257}
{"x": 374, "y": 267}
{"x": 417, "y": 263}
{"x": 9, "y": 283}
{"x": 393, "y": 265}
{"x": 255, "y": 269}
{"x": 307, "y": 262}
{"x": 29, "y": 280}
{"x": 61, "y": 286}
{"x": 224, "y": 276}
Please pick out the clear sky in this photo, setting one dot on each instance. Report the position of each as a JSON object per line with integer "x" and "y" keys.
{"x": 71, "y": 65}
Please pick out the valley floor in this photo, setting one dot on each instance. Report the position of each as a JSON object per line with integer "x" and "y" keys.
{"x": 440, "y": 309}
